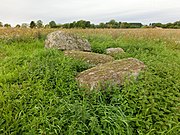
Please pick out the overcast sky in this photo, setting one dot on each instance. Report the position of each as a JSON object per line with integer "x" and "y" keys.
{"x": 62, "y": 11}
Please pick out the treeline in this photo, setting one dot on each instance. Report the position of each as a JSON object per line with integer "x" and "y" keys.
{"x": 110, "y": 24}
{"x": 175, "y": 25}
{"x": 87, "y": 24}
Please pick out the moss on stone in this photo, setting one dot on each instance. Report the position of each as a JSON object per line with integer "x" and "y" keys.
{"x": 91, "y": 58}
{"x": 116, "y": 72}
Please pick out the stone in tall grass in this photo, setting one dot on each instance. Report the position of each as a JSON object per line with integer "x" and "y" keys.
{"x": 114, "y": 51}
{"x": 89, "y": 57}
{"x": 114, "y": 73}
{"x": 66, "y": 41}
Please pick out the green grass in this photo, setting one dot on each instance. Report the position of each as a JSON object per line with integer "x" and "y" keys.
{"x": 39, "y": 94}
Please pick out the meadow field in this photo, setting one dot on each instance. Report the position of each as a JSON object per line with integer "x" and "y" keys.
{"x": 39, "y": 93}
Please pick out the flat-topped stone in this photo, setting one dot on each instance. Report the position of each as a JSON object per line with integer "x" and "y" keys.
{"x": 89, "y": 57}
{"x": 115, "y": 73}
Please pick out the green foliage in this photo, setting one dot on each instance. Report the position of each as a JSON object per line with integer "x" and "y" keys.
{"x": 32, "y": 25}
{"x": 39, "y": 24}
{"x": 175, "y": 25}
{"x": 112, "y": 24}
{"x": 79, "y": 24}
{"x": 1, "y": 24}
{"x": 102, "y": 25}
{"x": 39, "y": 94}
{"x": 7, "y": 25}
{"x": 125, "y": 25}
{"x": 156, "y": 25}
{"x": 87, "y": 24}
{"x": 17, "y": 26}
{"x": 135, "y": 25}
{"x": 52, "y": 24}
{"x": 24, "y": 25}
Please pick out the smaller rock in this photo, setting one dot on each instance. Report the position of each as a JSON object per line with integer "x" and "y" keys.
{"x": 90, "y": 57}
{"x": 114, "y": 73}
{"x": 114, "y": 51}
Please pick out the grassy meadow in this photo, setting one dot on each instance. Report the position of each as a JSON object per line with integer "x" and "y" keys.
{"x": 39, "y": 93}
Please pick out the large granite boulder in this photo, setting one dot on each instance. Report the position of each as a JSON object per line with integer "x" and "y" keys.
{"x": 114, "y": 51}
{"x": 66, "y": 41}
{"x": 89, "y": 57}
{"x": 113, "y": 73}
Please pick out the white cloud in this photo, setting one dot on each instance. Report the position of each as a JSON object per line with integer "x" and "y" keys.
{"x": 19, "y": 11}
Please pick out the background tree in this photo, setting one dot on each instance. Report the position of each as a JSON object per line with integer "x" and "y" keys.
{"x": 52, "y": 24}
{"x": 112, "y": 24}
{"x": 176, "y": 25}
{"x": 169, "y": 25}
{"x": 17, "y": 26}
{"x": 24, "y": 25}
{"x": 156, "y": 25}
{"x": 1, "y": 24}
{"x": 72, "y": 25}
{"x": 102, "y": 25}
{"x": 32, "y": 25}
{"x": 87, "y": 24}
{"x": 124, "y": 25}
{"x": 135, "y": 25}
{"x": 39, "y": 24}
{"x": 7, "y": 25}
{"x": 93, "y": 26}
{"x": 66, "y": 25}
{"x": 81, "y": 24}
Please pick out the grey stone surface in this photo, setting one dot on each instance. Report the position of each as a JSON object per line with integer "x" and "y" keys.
{"x": 66, "y": 41}
{"x": 114, "y": 51}
{"x": 89, "y": 57}
{"x": 115, "y": 73}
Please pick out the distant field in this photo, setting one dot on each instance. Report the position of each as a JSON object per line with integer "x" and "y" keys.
{"x": 39, "y": 94}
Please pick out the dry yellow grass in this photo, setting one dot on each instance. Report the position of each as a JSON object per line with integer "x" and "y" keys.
{"x": 170, "y": 36}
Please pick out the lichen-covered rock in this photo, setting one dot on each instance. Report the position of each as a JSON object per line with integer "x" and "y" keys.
{"x": 114, "y": 51}
{"x": 114, "y": 73}
{"x": 89, "y": 57}
{"x": 66, "y": 41}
